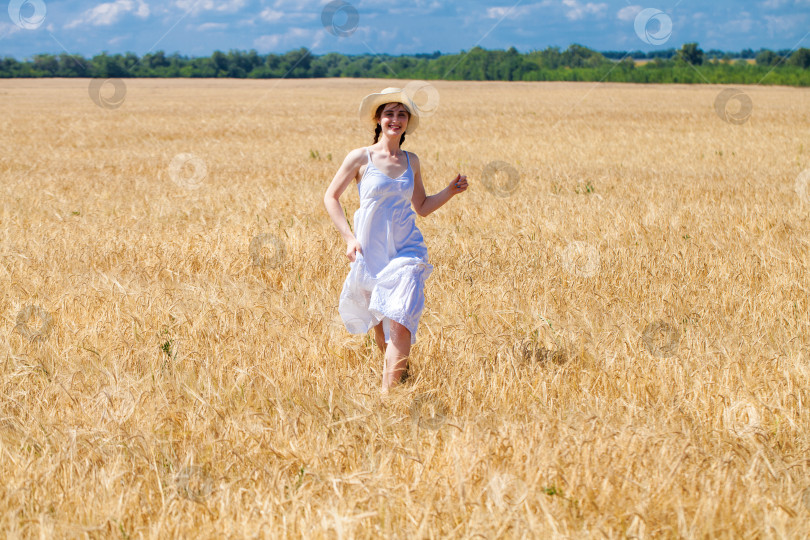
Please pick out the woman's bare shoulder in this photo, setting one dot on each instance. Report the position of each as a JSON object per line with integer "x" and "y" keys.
{"x": 356, "y": 157}
{"x": 414, "y": 159}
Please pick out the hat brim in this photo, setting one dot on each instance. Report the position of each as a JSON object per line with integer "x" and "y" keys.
{"x": 370, "y": 103}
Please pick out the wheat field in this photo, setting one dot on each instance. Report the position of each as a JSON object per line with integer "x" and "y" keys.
{"x": 614, "y": 344}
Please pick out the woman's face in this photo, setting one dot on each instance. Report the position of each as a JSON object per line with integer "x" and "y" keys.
{"x": 394, "y": 119}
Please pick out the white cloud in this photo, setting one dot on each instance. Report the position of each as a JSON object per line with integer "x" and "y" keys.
{"x": 775, "y": 4}
{"x": 204, "y": 27}
{"x": 778, "y": 25}
{"x": 109, "y": 13}
{"x": 301, "y": 4}
{"x": 414, "y": 7}
{"x": 292, "y": 38}
{"x": 271, "y": 15}
{"x": 143, "y": 10}
{"x": 628, "y": 13}
{"x": 117, "y": 39}
{"x": 267, "y": 43}
{"x": 743, "y": 24}
{"x": 198, "y": 6}
{"x": 577, "y": 10}
{"x": 513, "y": 12}
{"x": 504, "y": 12}
{"x": 7, "y": 29}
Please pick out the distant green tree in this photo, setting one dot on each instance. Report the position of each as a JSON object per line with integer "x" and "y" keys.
{"x": 295, "y": 64}
{"x": 72, "y": 65}
{"x": 578, "y": 56}
{"x": 800, "y": 58}
{"x": 46, "y": 64}
{"x": 155, "y": 61}
{"x": 106, "y": 66}
{"x": 627, "y": 64}
{"x": 691, "y": 53}
{"x": 576, "y": 63}
{"x": 220, "y": 63}
{"x": 767, "y": 57}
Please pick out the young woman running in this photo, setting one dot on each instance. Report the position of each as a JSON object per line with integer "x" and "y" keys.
{"x": 389, "y": 262}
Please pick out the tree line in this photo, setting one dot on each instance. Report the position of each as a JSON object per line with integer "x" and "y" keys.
{"x": 689, "y": 64}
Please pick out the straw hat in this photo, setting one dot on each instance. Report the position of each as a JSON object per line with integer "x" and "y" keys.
{"x": 389, "y": 95}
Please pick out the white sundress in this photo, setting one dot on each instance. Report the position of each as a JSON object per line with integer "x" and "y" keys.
{"x": 387, "y": 281}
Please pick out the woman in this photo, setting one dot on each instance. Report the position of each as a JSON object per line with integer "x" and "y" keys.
{"x": 389, "y": 264}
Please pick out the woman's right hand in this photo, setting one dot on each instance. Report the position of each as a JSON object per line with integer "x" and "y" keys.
{"x": 352, "y": 248}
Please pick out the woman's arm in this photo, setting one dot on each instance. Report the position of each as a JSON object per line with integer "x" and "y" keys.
{"x": 426, "y": 205}
{"x": 347, "y": 172}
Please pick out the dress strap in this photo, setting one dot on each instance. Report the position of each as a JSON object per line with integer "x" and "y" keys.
{"x": 408, "y": 158}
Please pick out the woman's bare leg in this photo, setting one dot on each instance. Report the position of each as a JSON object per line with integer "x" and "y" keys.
{"x": 396, "y": 356}
{"x": 379, "y": 337}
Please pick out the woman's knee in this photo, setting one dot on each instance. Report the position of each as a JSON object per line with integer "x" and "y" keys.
{"x": 399, "y": 331}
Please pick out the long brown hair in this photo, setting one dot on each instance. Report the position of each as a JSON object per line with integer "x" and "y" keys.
{"x": 378, "y": 129}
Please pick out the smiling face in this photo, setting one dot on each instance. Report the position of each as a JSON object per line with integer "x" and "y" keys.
{"x": 393, "y": 119}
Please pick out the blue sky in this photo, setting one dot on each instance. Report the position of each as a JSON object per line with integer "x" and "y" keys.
{"x": 198, "y": 27}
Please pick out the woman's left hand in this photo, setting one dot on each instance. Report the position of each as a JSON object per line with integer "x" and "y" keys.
{"x": 458, "y": 185}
